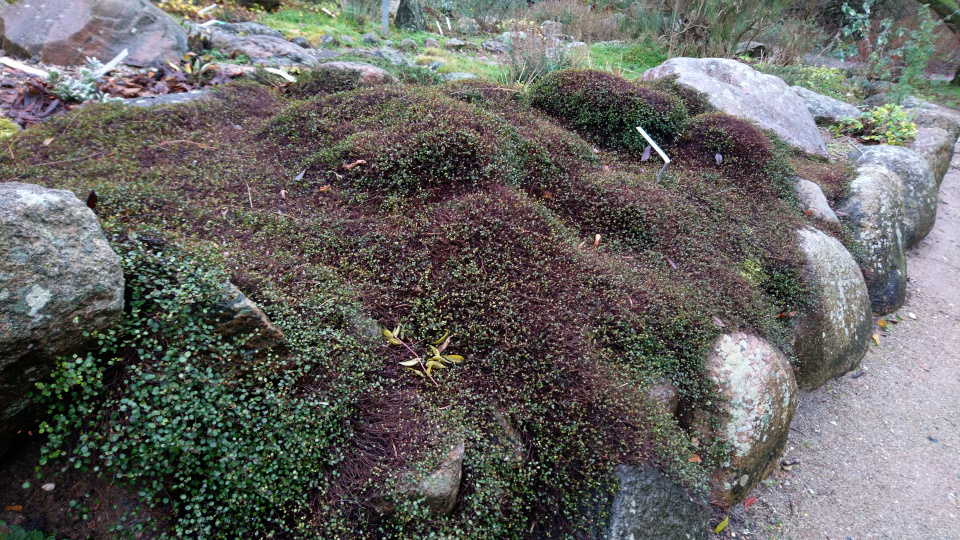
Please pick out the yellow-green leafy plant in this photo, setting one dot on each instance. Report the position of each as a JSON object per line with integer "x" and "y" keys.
{"x": 422, "y": 363}
{"x": 887, "y": 124}
{"x": 8, "y": 128}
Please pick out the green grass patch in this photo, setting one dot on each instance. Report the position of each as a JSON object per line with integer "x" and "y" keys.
{"x": 626, "y": 59}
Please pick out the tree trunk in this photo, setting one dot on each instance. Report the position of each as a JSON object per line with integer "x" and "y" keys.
{"x": 949, "y": 13}
{"x": 410, "y": 16}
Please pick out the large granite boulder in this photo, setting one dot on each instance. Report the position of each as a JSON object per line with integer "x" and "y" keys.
{"x": 367, "y": 74}
{"x": 832, "y": 336}
{"x": 261, "y": 49}
{"x": 410, "y": 16}
{"x": 757, "y": 385}
{"x": 825, "y": 109}
{"x": 926, "y": 114}
{"x": 249, "y": 29}
{"x": 814, "y": 203}
{"x": 920, "y": 195}
{"x": 59, "y": 283}
{"x": 66, "y": 32}
{"x": 736, "y": 88}
{"x": 935, "y": 145}
{"x": 648, "y": 506}
{"x": 874, "y": 212}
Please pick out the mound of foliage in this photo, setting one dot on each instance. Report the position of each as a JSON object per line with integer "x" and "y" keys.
{"x": 607, "y": 108}
{"x": 570, "y": 279}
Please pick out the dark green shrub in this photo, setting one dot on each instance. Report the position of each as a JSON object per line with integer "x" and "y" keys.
{"x": 547, "y": 154}
{"x": 696, "y": 102}
{"x": 606, "y": 108}
{"x": 735, "y": 147}
{"x": 400, "y": 140}
{"x": 322, "y": 81}
{"x": 267, "y": 5}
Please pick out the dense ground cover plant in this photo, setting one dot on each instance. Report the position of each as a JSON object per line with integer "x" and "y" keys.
{"x": 563, "y": 330}
{"x": 606, "y": 108}
{"x": 190, "y": 420}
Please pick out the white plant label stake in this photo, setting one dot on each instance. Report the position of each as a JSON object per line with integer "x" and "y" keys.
{"x": 666, "y": 160}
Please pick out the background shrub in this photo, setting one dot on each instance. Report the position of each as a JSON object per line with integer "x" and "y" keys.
{"x": 606, "y": 108}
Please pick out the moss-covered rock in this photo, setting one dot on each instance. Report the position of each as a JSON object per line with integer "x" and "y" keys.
{"x": 832, "y": 334}
{"x": 760, "y": 397}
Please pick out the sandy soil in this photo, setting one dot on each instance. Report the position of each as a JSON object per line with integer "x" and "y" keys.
{"x": 877, "y": 453}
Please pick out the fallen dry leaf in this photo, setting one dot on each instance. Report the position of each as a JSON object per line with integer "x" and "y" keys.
{"x": 718, "y": 322}
{"x": 596, "y": 241}
{"x": 748, "y": 502}
{"x": 348, "y": 166}
{"x": 323, "y": 188}
{"x": 694, "y": 459}
{"x": 13, "y": 508}
{"x": 882, "y": 323}
{"x": 912, "y": 315}
{"x": 876, "y": 337}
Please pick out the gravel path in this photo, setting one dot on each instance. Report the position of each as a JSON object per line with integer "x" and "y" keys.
{"x": 878, "y": 451}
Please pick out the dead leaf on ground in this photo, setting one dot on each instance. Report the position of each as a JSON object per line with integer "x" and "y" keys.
{"x": 718, "y": 322}
{"x": 694, "y": 459}
{"x": 748, "y": 502}
{"x": 348, "y": 166}
{"x": 876, "y": 337}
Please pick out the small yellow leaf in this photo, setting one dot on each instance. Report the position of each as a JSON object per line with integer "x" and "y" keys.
{"x": 434, "y": 350}
{"x": 882, "y": 323}
{"x": 445, "y": 336}
{"x": 389, "y": 335}
{"x": 596, "y": 240}
{"x": 445, "y": 344}
{"x": 410, "y": 363}
{"x": 396, "y": 331}
{"x": 415, "y": 371}
{"x": 722, "y": 525}
{"x": 435, "y": 364}
{"x": 876, "y": 337}
{"x": 455, "y": 358}
{"x": 46, "y": 142}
